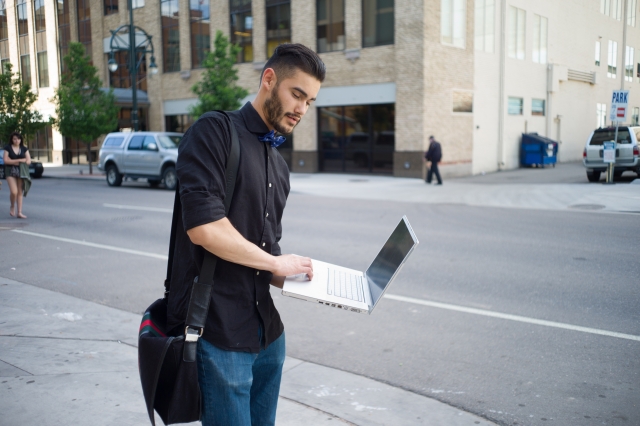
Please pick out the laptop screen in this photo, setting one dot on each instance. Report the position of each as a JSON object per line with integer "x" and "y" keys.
{"x": 391, "y": 256}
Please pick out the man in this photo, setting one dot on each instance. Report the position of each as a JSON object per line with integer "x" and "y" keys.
{"x": 433, "y": 155}
{"x": 242, "y": 350}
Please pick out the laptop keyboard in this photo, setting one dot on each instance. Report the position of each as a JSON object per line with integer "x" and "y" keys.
{"x": 342, "y": 284}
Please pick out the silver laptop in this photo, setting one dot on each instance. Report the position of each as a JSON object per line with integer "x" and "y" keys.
{"x": 352, "y": 290}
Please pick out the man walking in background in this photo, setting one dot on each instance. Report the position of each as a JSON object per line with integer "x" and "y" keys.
{"x": 433, "y": 155}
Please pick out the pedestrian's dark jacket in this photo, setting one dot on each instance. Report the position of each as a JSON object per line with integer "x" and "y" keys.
{"x": 240, "y": 299}
{"x": 434, "y": 153}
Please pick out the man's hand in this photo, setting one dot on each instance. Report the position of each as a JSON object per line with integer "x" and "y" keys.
{"x": 290, "y": 264}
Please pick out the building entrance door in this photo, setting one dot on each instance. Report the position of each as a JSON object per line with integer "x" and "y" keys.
{"x": 357, "y": 139}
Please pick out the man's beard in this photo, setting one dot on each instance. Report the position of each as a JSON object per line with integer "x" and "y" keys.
{"x": 273, "y": 112}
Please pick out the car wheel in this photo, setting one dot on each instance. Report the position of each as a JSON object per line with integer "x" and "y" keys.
{"x": 154, "y": 182}
{"x": 593, "y": 177}
{"x": 170, "y": 178}
{"x": 114, "y": 178}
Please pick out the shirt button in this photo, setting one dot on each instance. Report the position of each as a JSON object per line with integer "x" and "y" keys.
{"x": 257, "y": 272}
{"x": 269, "y": 185}
{"x": 267, "y": 214}
{"x": 263, "y": 244}
{"x": 256, "y": 303}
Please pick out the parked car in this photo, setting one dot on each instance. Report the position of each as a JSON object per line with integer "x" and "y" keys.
{"x": 627, "y": 151}
{"x": 149, "y": 155}
{"x": 35, "y": 168}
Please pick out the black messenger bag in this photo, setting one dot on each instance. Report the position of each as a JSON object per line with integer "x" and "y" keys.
{"x": 167, "y": 363}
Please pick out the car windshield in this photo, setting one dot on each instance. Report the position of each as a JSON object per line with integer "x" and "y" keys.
{"x": 605, "y": 135}
{"x": 168, "y": 142}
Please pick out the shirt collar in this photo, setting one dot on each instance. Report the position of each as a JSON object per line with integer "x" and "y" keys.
{"x": 252, "y": 119}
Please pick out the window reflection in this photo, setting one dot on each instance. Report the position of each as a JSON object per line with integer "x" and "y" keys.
{"x": 242, "y": 28}
{"x": 357, "y": 139}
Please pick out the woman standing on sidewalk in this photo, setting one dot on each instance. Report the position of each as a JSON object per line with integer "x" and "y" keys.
{"x": 14, "y": 154}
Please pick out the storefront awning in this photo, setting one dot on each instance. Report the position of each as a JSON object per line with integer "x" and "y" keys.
{"x": 124, "y": 97}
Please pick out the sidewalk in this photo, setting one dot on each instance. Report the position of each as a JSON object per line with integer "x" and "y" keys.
{"x": 564, "y": 187}
{"x": 68, "y": 361}
{"x": 71, "y": 171}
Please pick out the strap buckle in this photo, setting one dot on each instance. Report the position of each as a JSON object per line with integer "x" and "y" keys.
{"x": 192, "y": 334}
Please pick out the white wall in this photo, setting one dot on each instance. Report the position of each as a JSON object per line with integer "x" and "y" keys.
{"x": 573, "y": 28}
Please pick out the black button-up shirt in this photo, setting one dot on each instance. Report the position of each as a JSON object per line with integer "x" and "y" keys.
{"x": 240, "y": 299}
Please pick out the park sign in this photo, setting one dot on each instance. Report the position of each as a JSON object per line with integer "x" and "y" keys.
{"x": 619, "y": 106}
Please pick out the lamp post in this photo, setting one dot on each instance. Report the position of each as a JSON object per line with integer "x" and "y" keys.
{"x": 138, "y": 42}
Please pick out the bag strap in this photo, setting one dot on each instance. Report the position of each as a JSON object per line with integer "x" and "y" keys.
{"x": 231, "y": 173}
{"x": 202, "y": 284}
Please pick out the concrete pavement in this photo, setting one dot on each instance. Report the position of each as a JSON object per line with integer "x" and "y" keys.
{"x": 564, "y": 187}
{"x": 68, "y": 361}
{"x": 64, "y": 360}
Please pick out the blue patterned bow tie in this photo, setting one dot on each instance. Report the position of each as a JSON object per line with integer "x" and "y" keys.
{"x": 273, "y": 140}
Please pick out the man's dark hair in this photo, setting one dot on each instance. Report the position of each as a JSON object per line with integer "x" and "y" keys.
{"x": 291, "y": 57}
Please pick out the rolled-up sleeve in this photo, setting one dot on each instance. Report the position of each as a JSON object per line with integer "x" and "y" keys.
{"x": 202, "y": 158}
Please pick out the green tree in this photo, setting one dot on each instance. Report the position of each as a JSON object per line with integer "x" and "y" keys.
{"x": 218, "y": 89}
{"x": 84, "y": 111}
{"x": 16, "y": 100}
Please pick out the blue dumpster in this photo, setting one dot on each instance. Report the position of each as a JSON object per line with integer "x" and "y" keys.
{"x": 538, "y": 151}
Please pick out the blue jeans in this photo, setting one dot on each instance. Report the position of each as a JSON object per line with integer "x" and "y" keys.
{"x": 240, "y": 388}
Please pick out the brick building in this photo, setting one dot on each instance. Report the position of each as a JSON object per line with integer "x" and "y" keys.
{"x": 474, "y": 73}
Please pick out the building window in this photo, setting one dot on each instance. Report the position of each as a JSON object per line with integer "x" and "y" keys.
{"x": 462, "y": 101}
{"x": 631, "y": 12}
{"x": 23, "y": 41}
{"x": 84, "y": 26}
{"x": 485, "y": 25}
{"x": 635, "y": 118}
{"x": 515, "y": 106}
{"x": 612, "y": 8}
{"x": 601, "y": 115}
{"x": 616, "y": 9}
{"x": 41, "y": 43}
{"x": 121, "y": 78}
{"x": 453, "y": 22}
{"x": 177, "y": 123}
{"x": 537, "y": 107}
{"x": 357, "y": 138}
{"x": 110, "y": 7}
{"x": 170, "y": 35}
{"x": 278, "y": 24}
{"x": 137, "y": 4}
{"x": 242, "y": 28}
{"x": 628, "y": 64}
{"x": 4, "y": 36}
{"x": 330, "y": 15}
{"x": 64, "y": 30}
{"x": 200, "y": 32}
{"x": 377, "y": 22}
{"x": 612, "y": 59}
{"x": 539, "y": 39}
{"x": 597, "y": 53}
{"x": 516, "y": 32}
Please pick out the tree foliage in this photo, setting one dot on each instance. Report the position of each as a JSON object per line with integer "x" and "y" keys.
{"x": 218, "y": 90}
{"x": 16, "y": 100}
{"x": 84, "y": 111}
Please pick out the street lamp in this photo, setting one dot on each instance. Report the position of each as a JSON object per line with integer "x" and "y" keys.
{"x": 138, "y": 42}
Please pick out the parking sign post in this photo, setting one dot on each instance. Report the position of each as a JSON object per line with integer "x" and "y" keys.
{"x": 619, "y": 104}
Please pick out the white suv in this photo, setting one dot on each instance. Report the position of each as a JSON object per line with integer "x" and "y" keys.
{"x": 150, "y": 155}
{"x": 627, "y": 151}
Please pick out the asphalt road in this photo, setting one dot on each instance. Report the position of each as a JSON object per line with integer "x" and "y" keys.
{"x": 570, "y": 267}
